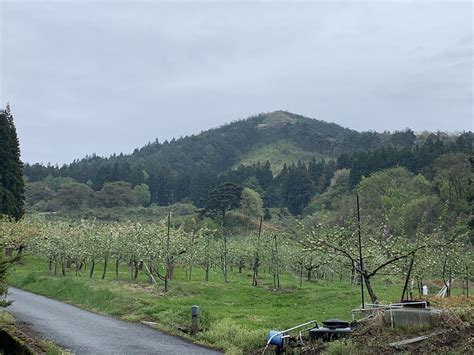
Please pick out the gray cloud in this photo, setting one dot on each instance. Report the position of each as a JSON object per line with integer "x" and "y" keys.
{"x": 104, "y": 77}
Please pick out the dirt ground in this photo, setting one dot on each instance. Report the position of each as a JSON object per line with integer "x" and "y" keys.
{"x": 452, "y": 330}
{"x": 450, "y": 334}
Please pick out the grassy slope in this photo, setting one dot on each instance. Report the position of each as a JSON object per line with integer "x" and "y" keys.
{"x": 235, "y": 315}
{"x": 278, "y": 153}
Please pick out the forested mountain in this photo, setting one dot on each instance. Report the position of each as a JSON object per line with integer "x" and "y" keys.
{"x": 287, "y": 159}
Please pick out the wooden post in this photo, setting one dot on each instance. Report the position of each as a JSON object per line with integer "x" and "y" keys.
{"x": 256, "y": 262}
{"x": 224, "y": 264}
{"x": 467, "y": 282}
{"x": 450, "y": 283}
{"x": 167, "y": 271}
{"x": 361, "y": 259}
{"x": 194, "y": 319}
{"x": 277, "y": 263}
{"x": 408, "y": 277}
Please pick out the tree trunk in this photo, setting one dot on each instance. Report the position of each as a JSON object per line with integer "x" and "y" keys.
{"x": 370, "y": 290}
{"x": 106, "y": 260}
{"x": 353, "y": 273}
{"x": 241, "y": 266}
{"x": 92, "y": 269}
{"x": 256, "y": 263}
{"x": 135, "y": 267}
{"x": 117, "y": 268}
{"x": 301, "y": 274}
{"x": 190, "y": 270}
{"x": 170, "y": 268}
{"x": 20, "y": 250}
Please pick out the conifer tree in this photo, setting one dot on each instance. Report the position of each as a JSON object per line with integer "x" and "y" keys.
{"x": 12, "y": 188}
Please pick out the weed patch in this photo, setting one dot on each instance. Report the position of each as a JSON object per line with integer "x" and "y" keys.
{"x": 227, "y": 334}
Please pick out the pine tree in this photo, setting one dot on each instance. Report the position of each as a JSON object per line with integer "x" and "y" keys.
{"x": 12, "y": 188}
{"x": 222, "y": 198}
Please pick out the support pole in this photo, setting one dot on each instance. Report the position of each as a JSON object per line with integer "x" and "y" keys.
{"x": 361, "y": 259}
{"x": 168, "y": 261}
{"x": 467, "y": 282}
{"x": 408, "y": 277}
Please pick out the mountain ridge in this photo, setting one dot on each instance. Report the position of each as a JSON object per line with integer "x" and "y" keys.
{"x": 232, "y": 144}
{"x": 260, "y": 152}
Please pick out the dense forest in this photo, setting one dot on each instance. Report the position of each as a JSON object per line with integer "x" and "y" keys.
{"x": 189, "y": 168}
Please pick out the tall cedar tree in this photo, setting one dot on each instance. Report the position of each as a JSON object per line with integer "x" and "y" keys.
{"x": 224, "y": 197}
{"x": 12, "y": 187}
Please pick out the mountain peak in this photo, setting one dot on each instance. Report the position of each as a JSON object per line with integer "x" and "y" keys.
{"x": 279, "y": 118}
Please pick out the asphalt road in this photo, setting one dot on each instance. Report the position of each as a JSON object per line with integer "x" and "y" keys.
{"x": 88, "y": 333}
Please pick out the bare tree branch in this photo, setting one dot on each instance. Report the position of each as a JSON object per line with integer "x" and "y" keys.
{"x": 391, "y": 261}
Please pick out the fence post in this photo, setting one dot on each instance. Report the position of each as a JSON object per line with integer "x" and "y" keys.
{"x": 194, "y": 319}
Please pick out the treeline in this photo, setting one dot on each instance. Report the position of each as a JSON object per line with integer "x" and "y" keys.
{"x": 417, "y": 159}
{"x": 193, "y": 159}
{"x": 187, "y": 169}
{"x": 212, "y": 152}
{"x": 293, "y": 187}
{"x": 56, "y": 194}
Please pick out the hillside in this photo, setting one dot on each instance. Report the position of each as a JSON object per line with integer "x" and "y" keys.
{"x": 286, "y": 158}
{"x": 278, "y": 154}
{"x": 241, "y": 141}
{"x": 245, "y": 142}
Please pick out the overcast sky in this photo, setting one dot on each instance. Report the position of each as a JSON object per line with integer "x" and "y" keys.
{"x": 87, "y": 77}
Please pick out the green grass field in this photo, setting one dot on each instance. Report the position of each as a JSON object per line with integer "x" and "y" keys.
{"x": 235, "y": 316}
{"x": 278, "y": 153}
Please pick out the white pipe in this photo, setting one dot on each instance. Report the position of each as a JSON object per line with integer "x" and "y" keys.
{"x": 285, "y": 331}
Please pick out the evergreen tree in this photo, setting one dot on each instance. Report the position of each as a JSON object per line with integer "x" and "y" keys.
{"x": 299, "y": 188}
{"x": 223, "y": 198}
{"x": 12, "y": 189}
{"x": 267, "y": 215}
